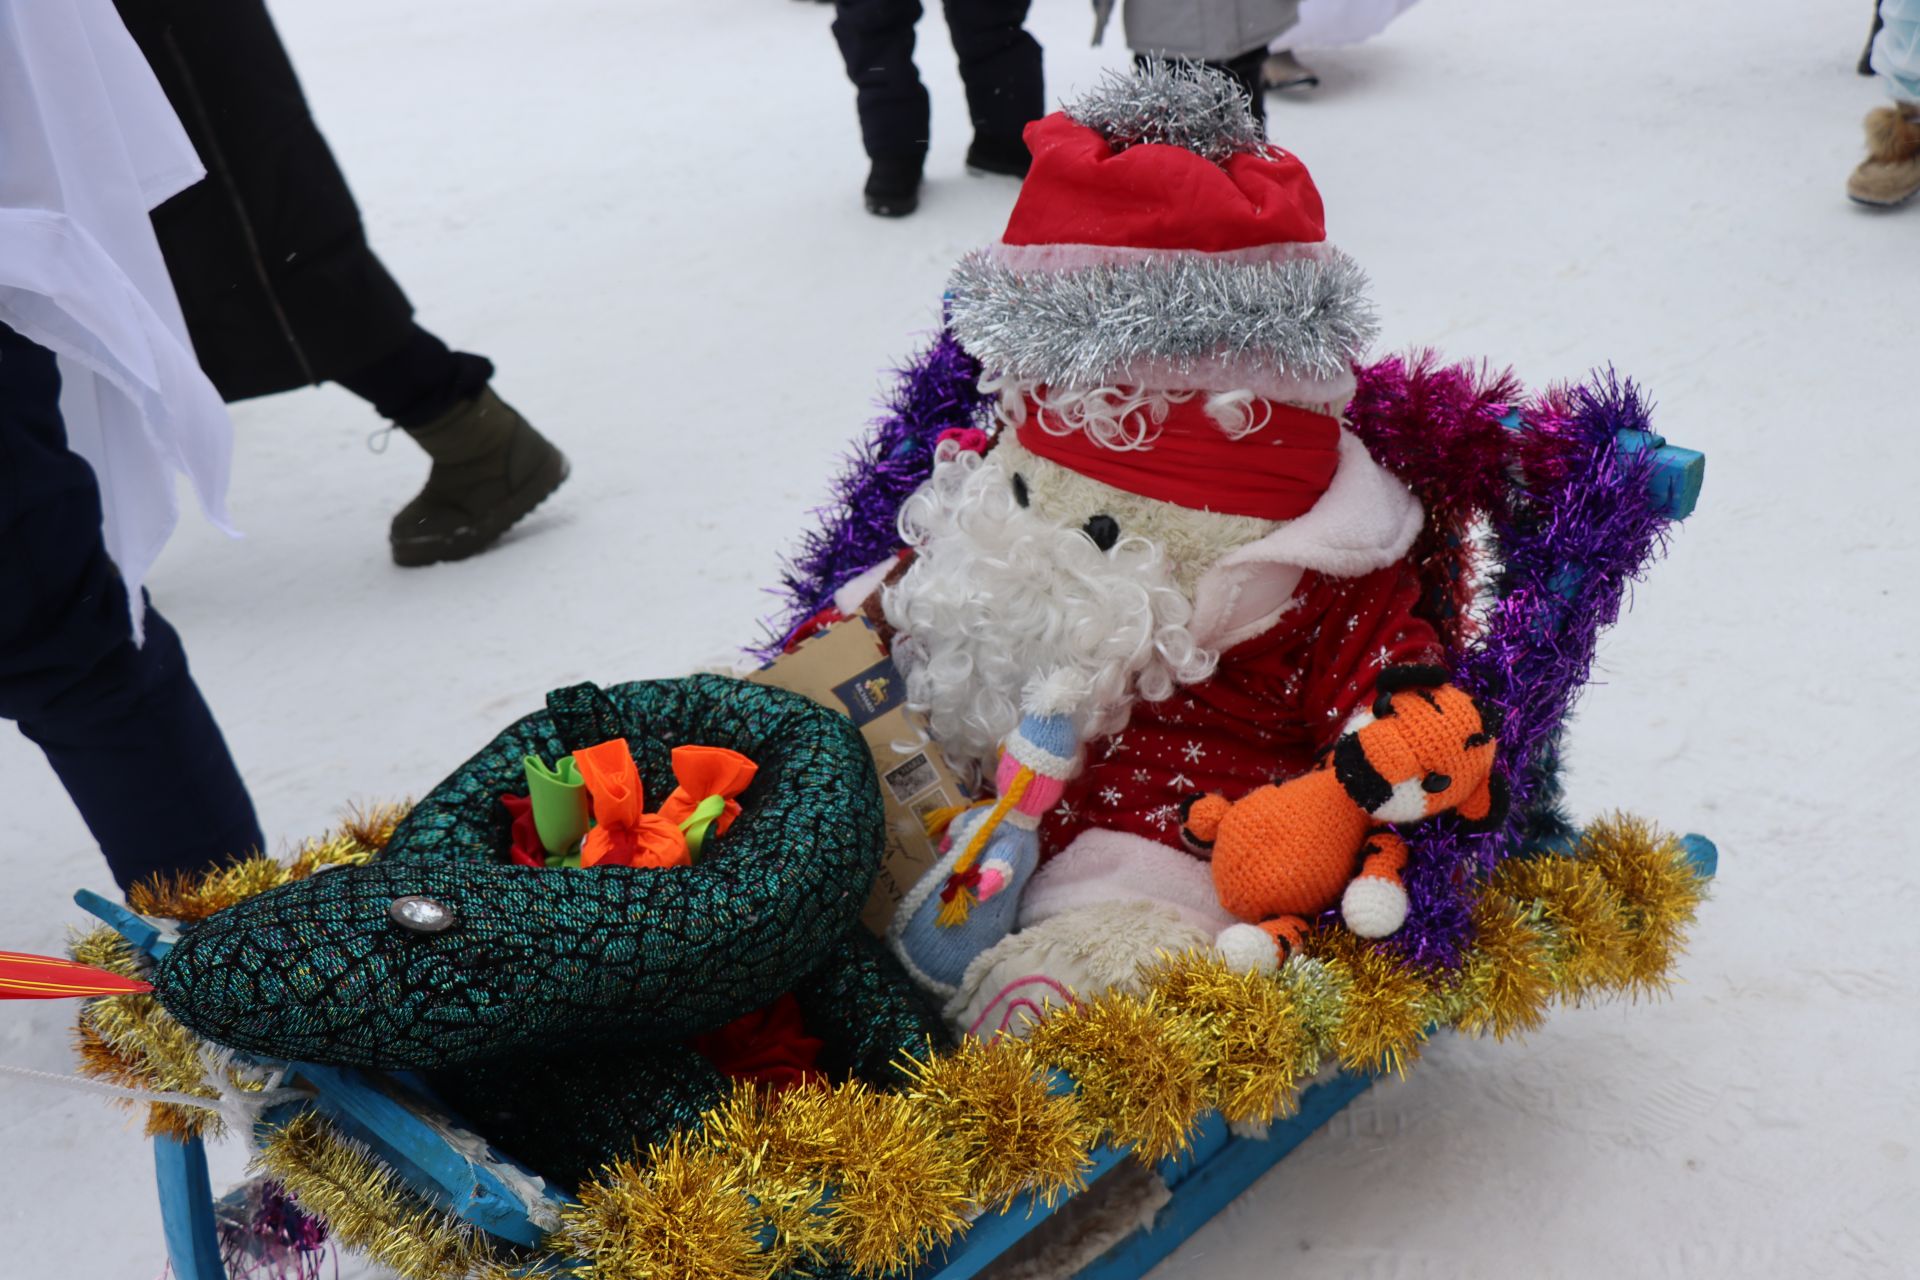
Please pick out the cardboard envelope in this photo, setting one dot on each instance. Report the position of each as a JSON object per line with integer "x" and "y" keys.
{"x": 844, "y": 667}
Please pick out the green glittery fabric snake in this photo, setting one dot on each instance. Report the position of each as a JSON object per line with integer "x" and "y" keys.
{"x": 565, "y": 1115}
{"x": 548, "y": 977}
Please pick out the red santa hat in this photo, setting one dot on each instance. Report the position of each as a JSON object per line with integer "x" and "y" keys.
{"x": 1160, "y": 242}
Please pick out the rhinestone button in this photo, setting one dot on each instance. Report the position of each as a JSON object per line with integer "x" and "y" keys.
{"x": 421, "y": 915}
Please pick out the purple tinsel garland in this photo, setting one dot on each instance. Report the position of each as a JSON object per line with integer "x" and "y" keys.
{"x": 937, "y": 390}
{"x": 1572, "y": 515}
{"x": 1585, "y": 525}
{"x": 1438, "y": 428}
{"x": 273, "y": 1238}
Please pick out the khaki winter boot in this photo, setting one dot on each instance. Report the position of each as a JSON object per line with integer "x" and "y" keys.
{"x": 1890, "y": 174}
{"x": 490, "y": 467}
{"x": 1284, "y": 73}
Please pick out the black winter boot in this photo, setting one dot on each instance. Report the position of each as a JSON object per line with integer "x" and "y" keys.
{"x": 1007, "y": 157}
{"x": 490, "y": 467}
{"x": 893, "y": 187}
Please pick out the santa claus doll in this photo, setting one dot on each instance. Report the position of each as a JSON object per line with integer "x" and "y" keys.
{"x": 1171, "y": 571}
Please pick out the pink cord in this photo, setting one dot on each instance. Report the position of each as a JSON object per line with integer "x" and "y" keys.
{"x": 1041, "y": 978}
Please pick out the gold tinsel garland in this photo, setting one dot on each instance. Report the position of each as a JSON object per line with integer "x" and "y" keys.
{"x": 1137, "y": 1067}
{"x": 130, "y": 1040}
{"x": 1386, "y": 1010}
{"x": 1012, "y": 1123}
{"x": 853, "y": 1172}
{"x": 1659, "y": 894}
{"x": 1200, "y": 1037}
{"x": 684, "y": 1211}
{"x": 1508, "y": 980}
{"x": 366, "y": 1205}
{"x": 827, "y": 1176}
{"x": 1248, "y": 1033}
{"x": 195, "y": 896}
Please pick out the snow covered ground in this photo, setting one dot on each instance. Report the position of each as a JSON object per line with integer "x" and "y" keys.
{"x": 648, "y": 215}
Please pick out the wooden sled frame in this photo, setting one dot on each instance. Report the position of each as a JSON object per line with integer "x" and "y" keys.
{"x": 392, "y": 1114}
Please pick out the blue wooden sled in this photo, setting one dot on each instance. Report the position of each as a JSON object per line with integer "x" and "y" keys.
{"x": 395, "y": 1118}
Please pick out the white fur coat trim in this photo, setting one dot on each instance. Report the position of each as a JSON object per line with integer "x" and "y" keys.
{"x": 1010, "y": 986}
{"x": 1365, "y": 521}
{"x": 1115, "y": 866}
{"x": 854, "y": 592}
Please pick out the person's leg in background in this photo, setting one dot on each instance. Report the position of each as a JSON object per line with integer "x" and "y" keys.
{"x": 1245, "y": 70}
{"x": 280, "y": 288}
{"x": 1001, "y": 68}
{"x": 123, "y": 725}
{"x": 876, "y": 43}
{"x": 1890, "y": 175}
{"x": 1866, "y": 55}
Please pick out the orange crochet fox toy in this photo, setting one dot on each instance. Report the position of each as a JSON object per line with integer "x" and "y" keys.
{"x": 1285, "y": 853}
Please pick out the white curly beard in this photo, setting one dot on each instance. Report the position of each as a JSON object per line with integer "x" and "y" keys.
{"x": 996, "y": 599}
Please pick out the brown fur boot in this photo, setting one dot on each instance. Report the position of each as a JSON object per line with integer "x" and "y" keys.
{"x": 1890, "y": 174}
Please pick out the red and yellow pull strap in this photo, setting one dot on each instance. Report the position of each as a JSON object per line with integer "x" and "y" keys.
{"x": 30, "y": 977}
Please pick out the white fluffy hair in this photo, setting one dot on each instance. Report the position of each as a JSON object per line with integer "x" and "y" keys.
{"x": 997, "y": 599}
{"x": 1120, "y": 417}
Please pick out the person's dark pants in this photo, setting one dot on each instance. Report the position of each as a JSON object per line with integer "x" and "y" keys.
{"x": 1245, "y": 71}
{"x": 419, "y": 380}
{"x": 268, "y": 256}
{"x": 999, "y": 64}
{"x": 123, "y": 725}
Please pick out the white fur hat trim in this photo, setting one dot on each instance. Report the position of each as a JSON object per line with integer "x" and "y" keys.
{"x": 1114, "y": 866}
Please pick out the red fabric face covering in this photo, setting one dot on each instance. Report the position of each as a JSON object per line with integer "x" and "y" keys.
{"x": 1276, "y": 473}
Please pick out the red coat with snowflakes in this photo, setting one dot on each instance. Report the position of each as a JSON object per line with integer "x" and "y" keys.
{"x": 1274, "y": 704}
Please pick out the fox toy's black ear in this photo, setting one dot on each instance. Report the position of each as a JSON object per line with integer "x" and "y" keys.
{"x": 1364, "y": 783}
{"x": 1412, "y": 675}
{"x": 1492, "y": 717}
{"x": 1398, "y": 679}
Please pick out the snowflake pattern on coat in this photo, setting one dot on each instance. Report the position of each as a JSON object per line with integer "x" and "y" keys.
{"x": 1274, "y": 705}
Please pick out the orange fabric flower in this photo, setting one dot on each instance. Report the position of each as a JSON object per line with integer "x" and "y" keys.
{"x": 624, "y": 835}
{"x": 708, "y": 771}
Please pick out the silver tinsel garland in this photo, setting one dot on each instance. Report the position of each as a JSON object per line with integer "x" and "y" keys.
{"x": 1182, "y": 104}
{"x": 1307, "y": 318}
